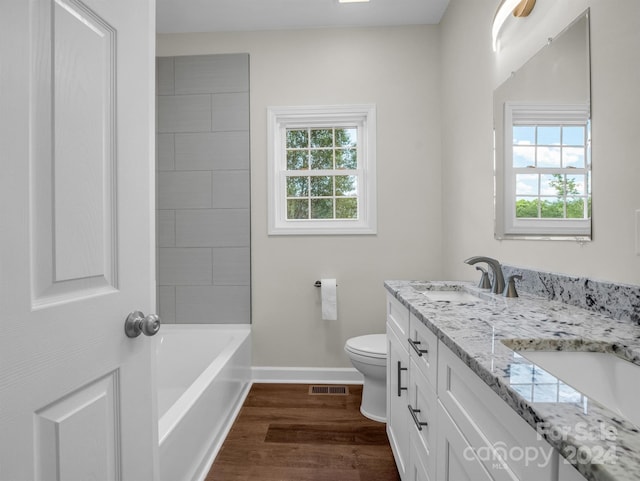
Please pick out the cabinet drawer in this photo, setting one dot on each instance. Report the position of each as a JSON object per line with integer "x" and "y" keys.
{"x": 423, "y": 349}
{"x": 423, "y": 420}
{"x": 487, "y": 421}
{"x": 398, "y": 318}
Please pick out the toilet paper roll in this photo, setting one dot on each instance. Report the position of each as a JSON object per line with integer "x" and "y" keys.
{"x": 329, "y": 299}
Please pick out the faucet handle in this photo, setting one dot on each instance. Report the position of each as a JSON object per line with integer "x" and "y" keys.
{"x": 510, "y": 290}
{"x": 485, "y": 283}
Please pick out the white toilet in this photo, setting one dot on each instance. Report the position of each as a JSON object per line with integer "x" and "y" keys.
{"x": 368, "y": 355}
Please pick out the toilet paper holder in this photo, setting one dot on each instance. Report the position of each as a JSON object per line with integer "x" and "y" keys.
{"x": 319, "y": 283}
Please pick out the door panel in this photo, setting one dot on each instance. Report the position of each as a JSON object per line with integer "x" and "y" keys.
{"x": 89, "y": 415}
{"x": 73, "y": 163}
{"x": 76, "y": 250}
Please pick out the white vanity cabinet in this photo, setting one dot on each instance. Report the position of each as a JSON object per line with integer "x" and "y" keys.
{"x": 445, "y": 424}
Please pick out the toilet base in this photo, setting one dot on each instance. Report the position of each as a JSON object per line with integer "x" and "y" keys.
{"x": 374, "y": 400}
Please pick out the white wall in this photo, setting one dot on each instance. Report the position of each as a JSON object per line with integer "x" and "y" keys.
{"x": 470, "y": 73}
{"x": 396, "y": 69}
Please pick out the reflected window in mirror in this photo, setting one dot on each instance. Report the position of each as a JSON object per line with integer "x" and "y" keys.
{"x": 547, "y": 169}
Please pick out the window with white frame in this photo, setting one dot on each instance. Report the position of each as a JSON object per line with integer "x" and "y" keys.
{"x": 322, "y": 170}
{"x": 547, "y": 170}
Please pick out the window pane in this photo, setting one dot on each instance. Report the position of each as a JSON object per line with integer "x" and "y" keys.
{"x": 321, "y": 186}
{"x": 297, "y": 139}
{"x": 347, "y": 208}
{"x": 527, "y": 184}
{"x": 548, "y": 157}
{"x": 524, "y": 135}
{"x": 576, "y": 184}
{"x": 573, "y": 135}
{"x": 549, "y": 135}
{"x": 552, "y": 209}
{"x": 297, "y": 186}
{"x": 552, "y": 185}
{"x": 297, "y": 209}
{"x": 346, "y": 185}
{"x": 575, "y": 208}
{"x": 346, "y": 159}
{"x": 573, "y": 157}
{"x": 322, "y": 208}
{"x": 322, "y": 138}
{"x": 322, "y": 159}
{"x": 297, "y": 159}
{"x": 524, "y": 156}
{"x": 346, "y": 137}
{"x": 527, "y": 207}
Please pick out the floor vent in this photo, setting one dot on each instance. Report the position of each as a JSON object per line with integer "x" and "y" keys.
{"x": 329, "y": 390}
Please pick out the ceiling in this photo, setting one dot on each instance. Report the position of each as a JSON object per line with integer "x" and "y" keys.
{"x": 178, "y": 16}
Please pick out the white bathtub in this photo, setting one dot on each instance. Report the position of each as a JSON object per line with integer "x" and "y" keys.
{"x": 203, "y": 376}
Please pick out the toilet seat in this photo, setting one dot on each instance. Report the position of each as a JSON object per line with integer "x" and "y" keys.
{"x": 370, "y": 345}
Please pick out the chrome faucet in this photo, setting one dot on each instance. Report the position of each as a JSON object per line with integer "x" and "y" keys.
{"x": 496, "y": 269}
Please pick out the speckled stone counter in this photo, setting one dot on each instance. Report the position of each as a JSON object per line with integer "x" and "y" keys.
{"x": 602, "y": 444}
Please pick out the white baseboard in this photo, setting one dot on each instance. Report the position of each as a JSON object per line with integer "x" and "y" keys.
{"x": 306, "y": 375}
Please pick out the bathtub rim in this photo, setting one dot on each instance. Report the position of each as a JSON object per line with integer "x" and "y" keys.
{"x": 172, "y": 417}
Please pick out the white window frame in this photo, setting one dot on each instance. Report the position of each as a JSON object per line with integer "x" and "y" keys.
{"x": 279, "y": 119}
{"x": 540, "y": 114}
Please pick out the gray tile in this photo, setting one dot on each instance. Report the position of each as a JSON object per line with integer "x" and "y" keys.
{"x": 165, "y": 152}
{"x": 164, "y": 76}
{"x": 212, "y": 73}
{"x": 231, "y": 266}
{"x": 184, "y": 113}
{"x": 184, "y": 267}
{"x": 212, "y": 228}
{"x": 213, "y": 304}
{"x": 167, "y": 304}
{"x": 166, "y": 224}
{"x": 184, "y": 190}
{"x": 231, "y": 189}
{"x": 231, "y": 112}
{"x": 212, "y": 151}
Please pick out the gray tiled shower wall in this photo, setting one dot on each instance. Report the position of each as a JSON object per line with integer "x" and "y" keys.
{"x": 203, "y": 189}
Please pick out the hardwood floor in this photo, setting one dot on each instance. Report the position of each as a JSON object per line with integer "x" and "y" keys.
{"x": 285, "y": 434}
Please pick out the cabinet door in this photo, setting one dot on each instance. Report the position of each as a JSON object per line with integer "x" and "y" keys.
{"x": 456, "y": 460}
{"x": 397, "y": 412}
{"x": 423, "y": 417}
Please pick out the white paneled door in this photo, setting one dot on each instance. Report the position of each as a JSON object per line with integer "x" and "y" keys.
{"x": 76, "y": 240}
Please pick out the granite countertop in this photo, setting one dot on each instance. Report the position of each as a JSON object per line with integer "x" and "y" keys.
{"x": 602, "y": 444}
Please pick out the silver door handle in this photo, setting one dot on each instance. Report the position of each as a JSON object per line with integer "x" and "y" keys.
{"x": 137, "y": 323}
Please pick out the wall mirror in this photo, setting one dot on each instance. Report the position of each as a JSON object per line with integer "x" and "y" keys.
{"x": 542, "y": 127}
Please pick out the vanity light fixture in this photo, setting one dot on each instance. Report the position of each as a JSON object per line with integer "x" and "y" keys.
{"x": 519, "y": 8}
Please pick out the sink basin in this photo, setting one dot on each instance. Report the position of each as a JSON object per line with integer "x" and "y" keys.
{"x": 451, "y": 296}
{"x": 603, "y": 377}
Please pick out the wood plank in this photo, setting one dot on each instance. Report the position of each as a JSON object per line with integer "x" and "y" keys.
{"x": 349, "y": 434}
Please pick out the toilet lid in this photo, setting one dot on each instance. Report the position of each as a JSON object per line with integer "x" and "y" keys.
{"x": 371, "y": 345}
